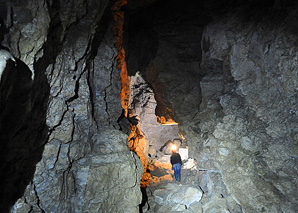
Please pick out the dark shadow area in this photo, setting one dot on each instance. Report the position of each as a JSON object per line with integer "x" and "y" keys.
{"x": 162, "y": 43}
{"x": 144, "y": 200}
{"x": 23, "y": 130}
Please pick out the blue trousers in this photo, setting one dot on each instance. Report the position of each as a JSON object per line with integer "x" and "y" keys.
{"x": 177, "y": 170}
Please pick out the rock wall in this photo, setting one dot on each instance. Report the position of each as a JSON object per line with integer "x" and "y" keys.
{"x": 234, "y": 95}
{"x": 246, "y": 128}
{"x": 228, "y": 78}
{"x": 85, "y": 164}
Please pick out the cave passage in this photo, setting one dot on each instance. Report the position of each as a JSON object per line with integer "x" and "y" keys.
{"x": 210, "y": 68}
{"x": 163, "y": 53}
{"x": 218, "y": 79}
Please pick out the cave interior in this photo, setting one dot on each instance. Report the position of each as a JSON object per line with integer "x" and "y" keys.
{"x": 93, "y": 94}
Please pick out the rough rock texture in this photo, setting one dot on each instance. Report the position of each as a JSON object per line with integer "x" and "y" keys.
{"x": 86, "y": 164}
{"x": 104, "y": 180}
{"x": 227, "y": 74}
{"x": 177, "y": 197}
{"x": 142, "y": 108}
{"x": 236, "y": 103}
{"x": 145, "y": 130}
{"x": 247, "y": 124}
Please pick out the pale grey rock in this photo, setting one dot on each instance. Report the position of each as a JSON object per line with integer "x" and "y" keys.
{"x": 218, "y": 203}
{"x": 167, "y": 147}
{"x": 95, "y": 182}
{"x": 107, "y": 108}
{"x": 152, "y": 151}
{"x": 234, "y": 95}
{"x": 196, "y": 207}
{"x": 256, "y": 119}
{"x": 177, "y": 197}
{"x": 189, "y": 164}
{"x": 29, "y": 30}
{"x": 142, "y": 108}
{"x": 244, "y": 130}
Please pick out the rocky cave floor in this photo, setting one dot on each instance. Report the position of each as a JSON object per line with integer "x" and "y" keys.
{"x": 165, "y": 194}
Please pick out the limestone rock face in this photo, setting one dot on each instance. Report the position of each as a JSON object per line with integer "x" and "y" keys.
{"x": 259, "y": 112}
{"x": 247, "y": 119}
{"x": 142, "y": 108}
{"x": 165, "y": 49}
{"x": 85, "y": 164}
{"x": 177, "y": 197}
{"x": 96, "y": 182}
{"x": 147, "y": 135}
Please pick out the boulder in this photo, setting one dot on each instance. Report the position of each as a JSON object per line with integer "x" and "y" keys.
{"x": 177, "y": 197}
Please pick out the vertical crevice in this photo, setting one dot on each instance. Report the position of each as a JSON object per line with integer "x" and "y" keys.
{"x": 118, "y": 31}
{"x": 100, "y": 31}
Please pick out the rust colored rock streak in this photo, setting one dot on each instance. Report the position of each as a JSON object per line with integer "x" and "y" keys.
{"x": 137, "y": 143}
{"x": 118, "y": 30}
{"x": 136, "y": 140}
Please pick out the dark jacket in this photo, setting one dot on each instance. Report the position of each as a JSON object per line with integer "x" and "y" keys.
{"x": 175, "y": 158}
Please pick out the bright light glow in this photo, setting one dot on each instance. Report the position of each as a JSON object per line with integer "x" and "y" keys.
{"x": 174, "y": 148}
{"x": 4, "y": 56}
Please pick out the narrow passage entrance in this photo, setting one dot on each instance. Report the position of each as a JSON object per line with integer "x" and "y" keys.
{"x": 152, "y": 141}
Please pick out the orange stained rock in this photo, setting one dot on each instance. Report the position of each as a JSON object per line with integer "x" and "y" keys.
{"x": 166, "y": 121}
{"x": 118, "y": 31}
{"x": 160, "y": 165}
{"x": 155, "y": 180}
{"x": 137, "y": 143}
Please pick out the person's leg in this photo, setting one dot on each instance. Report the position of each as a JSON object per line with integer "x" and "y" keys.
{"x": 179, "y": 172}
{"x": 175, "y": 167}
